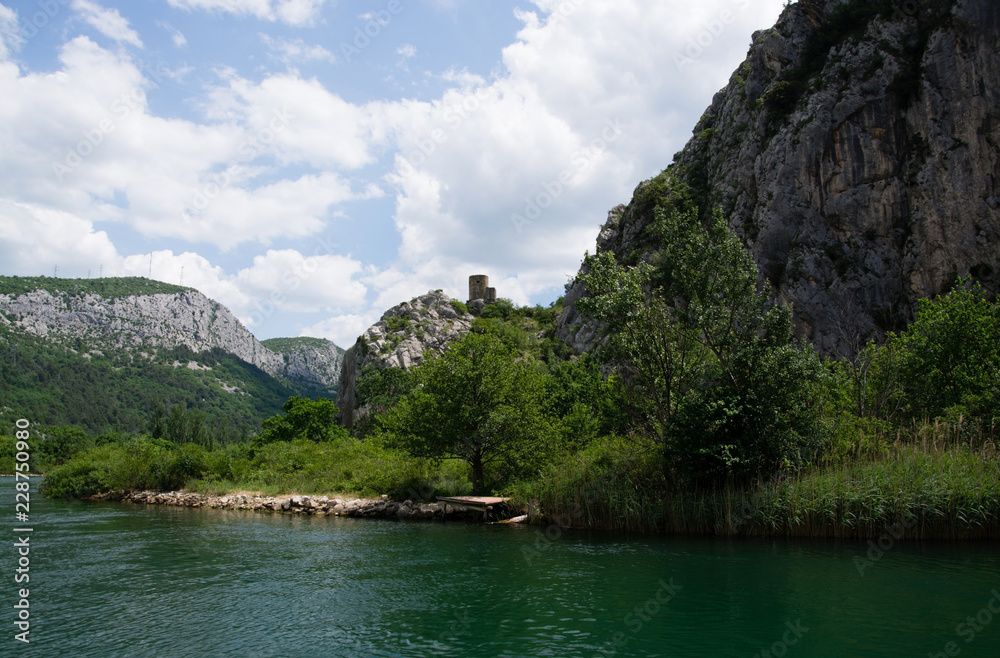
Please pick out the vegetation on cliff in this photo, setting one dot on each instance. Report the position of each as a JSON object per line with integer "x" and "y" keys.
{"x": 108, "y": 287}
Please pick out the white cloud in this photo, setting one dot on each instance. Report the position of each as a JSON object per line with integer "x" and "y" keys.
{"x": 176, "y": 35}
{"x": 31, "y": 235}
{"x": 285, "y": 209}
{"x": 83, "y": 135}
{"x": 10, "y": 36}
{"x": 342, "y": 329}
{"x": 322, "y": 129}
{"x": 293, "y": 12}
{"x": 296, "y": 50}
{"x": 305, "y": 284}
{"x": 108, "y": 22}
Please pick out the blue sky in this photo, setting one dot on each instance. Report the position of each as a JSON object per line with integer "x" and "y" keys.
{"x": 310, "y": 163}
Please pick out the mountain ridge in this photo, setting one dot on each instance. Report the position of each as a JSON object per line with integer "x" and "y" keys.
{"x": 131, "y": 323}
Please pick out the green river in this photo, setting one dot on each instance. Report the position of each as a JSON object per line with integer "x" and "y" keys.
{"x": 109, "y": 579}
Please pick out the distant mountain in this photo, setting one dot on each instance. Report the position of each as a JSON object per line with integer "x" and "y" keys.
{"x": 101, "y": 352}
{"x": 313, "y": 364}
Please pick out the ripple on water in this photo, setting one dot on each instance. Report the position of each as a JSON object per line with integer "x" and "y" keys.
{"x": 120, "y": 580}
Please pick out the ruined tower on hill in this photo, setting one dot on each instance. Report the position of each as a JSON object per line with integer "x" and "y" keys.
{"x": 479, "y": 288}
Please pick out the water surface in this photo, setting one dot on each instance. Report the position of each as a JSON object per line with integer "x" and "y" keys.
{"x": 110, "y": 579}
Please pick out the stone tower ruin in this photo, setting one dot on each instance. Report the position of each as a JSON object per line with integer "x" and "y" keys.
{"x": 479, "y": 288}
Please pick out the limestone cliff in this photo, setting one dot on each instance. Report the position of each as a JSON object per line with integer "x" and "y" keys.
{"x": 400, "y": 339}
{"x": 855, "y": 152}
{"x": 138, "y": 322}
{"x": 312, "y": 362}
{"x": 142, "y": 316}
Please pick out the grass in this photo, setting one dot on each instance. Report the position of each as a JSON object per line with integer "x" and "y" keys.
{"x": 343, "y": 466}
{"x": 933, "y": 479}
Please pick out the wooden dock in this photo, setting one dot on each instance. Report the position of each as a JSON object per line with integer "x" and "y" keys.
{"x": 484, "y": 504}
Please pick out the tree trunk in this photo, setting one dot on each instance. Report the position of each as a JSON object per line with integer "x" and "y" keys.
{"x": 477, "y": 473}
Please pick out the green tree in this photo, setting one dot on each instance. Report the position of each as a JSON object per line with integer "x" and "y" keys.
{"x": 479, "y": 402}
{"x": 60, "y": 444}
{"x": 177, "y": 422}
{"x": 303, "y": 419}
{"x": 952, "y": 353}
{"x": 196, "y": 431}
{"x": 583, "y": 401}
{"x": 157, "y": 424}
{"x": 710, "y": 367}
{"x": 381, "y": 388}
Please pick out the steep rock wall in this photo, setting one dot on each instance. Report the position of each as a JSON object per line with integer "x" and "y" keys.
{"x": 855, "y": 152}
{"x": 399, "y": 340}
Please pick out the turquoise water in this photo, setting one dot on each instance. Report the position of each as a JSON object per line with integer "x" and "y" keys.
{"x": 119, "y": 580}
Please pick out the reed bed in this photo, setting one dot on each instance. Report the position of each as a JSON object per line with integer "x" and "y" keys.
{"x": 937, "y": 480}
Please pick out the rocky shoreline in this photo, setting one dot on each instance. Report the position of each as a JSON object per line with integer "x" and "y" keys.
{"x": 314, "y": 505}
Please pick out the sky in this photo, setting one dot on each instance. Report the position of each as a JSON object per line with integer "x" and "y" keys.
{"x": 311, "y": 163}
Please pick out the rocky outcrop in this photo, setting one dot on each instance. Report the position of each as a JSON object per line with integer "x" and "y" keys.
{"x": 144, "y": 322}
{"x": 138, "y": 323}
{"x": 310, "y": 362}
{"x": 399, "y": 340}
{"x": 856, "y": 152}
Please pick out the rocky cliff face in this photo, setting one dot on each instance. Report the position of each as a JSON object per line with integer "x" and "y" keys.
{"x": 142, "y": 323}
{"x": 312, "y": 362}
{"x": 138, "y": 323}
{"x": 399, "y": 340}
{"x": 855, "y": 152}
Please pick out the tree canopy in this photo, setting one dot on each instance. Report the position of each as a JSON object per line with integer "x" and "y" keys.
{"x": 480, "y": 402}
{"x": 711, "y": 368}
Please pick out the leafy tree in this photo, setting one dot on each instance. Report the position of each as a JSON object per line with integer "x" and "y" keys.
{"x": 157, "y": 425}
{"x": 502, "y": 308}
{"x": 60, "y": 444}
{"x": 381, "y": 388}
{"x": 710, "y": 366}
{"x": 303, "y": 419}
{"x": 479, "y": 402}
{"x": 177, "y": 424}
{"x": 952, "y": 353}
{"x": 583, "y": 400}
{"x": 196, "y": 432}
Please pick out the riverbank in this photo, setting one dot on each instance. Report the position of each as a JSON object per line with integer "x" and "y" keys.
{"x": 912, "y": 491}
{"x": 309, "y": 505}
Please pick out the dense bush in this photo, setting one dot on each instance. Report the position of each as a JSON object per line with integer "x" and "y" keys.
{"x": 709, "y": 365}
